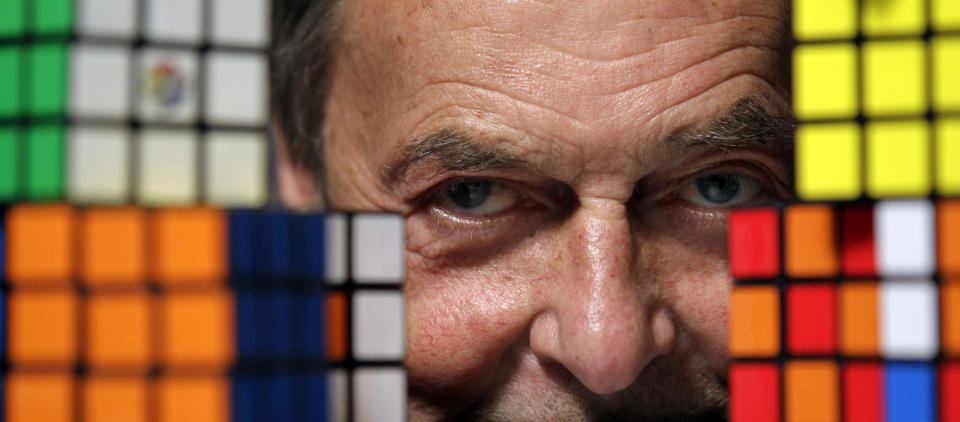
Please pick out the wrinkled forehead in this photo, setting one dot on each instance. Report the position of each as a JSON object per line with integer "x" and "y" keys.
{"x": 593, "y": 47}
{"x": 599, "y": 30}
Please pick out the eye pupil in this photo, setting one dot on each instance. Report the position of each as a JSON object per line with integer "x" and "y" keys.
{"x": 470, "y": 194}
{"x": 719, "y": 188}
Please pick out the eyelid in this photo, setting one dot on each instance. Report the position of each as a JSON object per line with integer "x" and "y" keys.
{"x": 672, "y": 186}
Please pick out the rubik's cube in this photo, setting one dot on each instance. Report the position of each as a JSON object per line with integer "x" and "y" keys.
{"x": 846, "y": 305}
{"x": 201, "y": 314}
{"x": 155, "y": 102}
{"x": 128, "y": 292}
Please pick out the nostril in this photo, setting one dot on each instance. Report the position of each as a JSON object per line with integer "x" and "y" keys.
{"x": 545, "y": 336}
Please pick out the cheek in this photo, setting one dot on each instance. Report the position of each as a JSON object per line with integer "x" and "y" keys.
{"x": 459, "y": 324}
{"x": 698, "y": 288}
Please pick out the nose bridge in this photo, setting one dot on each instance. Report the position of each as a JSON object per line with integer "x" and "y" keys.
{"x": 602, "y": 324}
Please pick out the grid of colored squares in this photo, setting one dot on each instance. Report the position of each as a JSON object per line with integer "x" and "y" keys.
{"x": 813, "y": 333}
{"x": 155, "y": 102}
{"x": 879, "y": 103}
{"x": 201, "y": 314}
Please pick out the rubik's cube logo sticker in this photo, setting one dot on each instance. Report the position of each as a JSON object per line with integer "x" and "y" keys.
{"x": 846, "y": 305}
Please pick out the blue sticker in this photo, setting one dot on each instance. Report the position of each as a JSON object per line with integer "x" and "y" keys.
{"x": 911, "y": 392}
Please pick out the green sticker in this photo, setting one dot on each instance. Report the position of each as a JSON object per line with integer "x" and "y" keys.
{"x": 9, "y": 81}
{"x": 8, "y": 164}
{"x": 45, "y": 162}
{"x": 52, "y": 17}
{"x": 48, "y": 83}
{"x": 11, "y": 20}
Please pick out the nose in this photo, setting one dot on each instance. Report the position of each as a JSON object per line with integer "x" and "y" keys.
{"x": 601, "y": 321}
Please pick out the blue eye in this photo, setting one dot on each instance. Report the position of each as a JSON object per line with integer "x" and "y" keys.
{"x": 478, "y": 198}
{"x": 470, "y": 194}
{"x": 721, "y": 190}
{"x": 718, "y": 188}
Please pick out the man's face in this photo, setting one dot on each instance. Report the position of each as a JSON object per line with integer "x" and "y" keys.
{"x": 564, "y": 169}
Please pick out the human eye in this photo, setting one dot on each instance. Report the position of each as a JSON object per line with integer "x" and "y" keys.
{"x": 475, "y": 198}
{"x": 721, "y": 189}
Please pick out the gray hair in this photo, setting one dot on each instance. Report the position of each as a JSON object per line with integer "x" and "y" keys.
{"x": 304, "y": 33}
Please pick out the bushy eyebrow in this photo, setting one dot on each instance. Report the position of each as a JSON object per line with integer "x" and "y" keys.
{"x": 747, "y": 124}
{"x": 453, "y": 150}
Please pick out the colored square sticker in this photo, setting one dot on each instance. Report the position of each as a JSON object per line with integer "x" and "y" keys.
{"x": 754, "y": 243}
{"x": 828, "y": 161}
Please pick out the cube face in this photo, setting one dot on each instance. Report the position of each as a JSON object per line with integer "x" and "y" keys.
{"x": 169, "y": 85}
{"x": 174, "y": 20}
{"x": 949, "y": 386}
{"x": 859, "y": 319}
{"x": 224, "y": 103}
{"x": 948, "y": 156}
{"x": 167, "y": 163}
{"x": 946, "y": 15}
{"x": 828, "y": 161}
{"x": 241, "y": 23}
{"x": 910, "y": 392}
{"x": 53, "y": 16}
{"x": 754, "y": 392}
{"x": 107, "y": 18}
{"x": 44, "y": 162}
{"x": 195, "y": 398}
{"x": 10, "y": 81}
{"x": 946, "y": 87}
{"x": 11, "y": 23}
{"x": 114, "y": 399}
{"x": 114, "y": 247}
{"x": 950, "y": 316}
{"x": 46, "y": 89}
{"x": 812, "y": 391}
{"x": 42, "y": 329}
{"x": 858, "y": 245}
{"x": 863, "y": 392}
{"x": 98, "y": 165}
{"x": 905, "y": 236}
{"x": 754, "y": 321}
{"x": 378, "y": 326}
{"x": 378, "y": 245}
{"x": 948, "y": 237}
{"x": 896, "y": 17}
{"x": 190, "y": 246}
{"x": 811, "y": 319}
{"x": 825, "y": 81}
{"x": 909, "y": 320}
{"x": 898, "y": 159}
{"x": 236, "y": 168}
{"x": 99, "y": 81}
{"x": 754, "y": 243}
{"x": 198, "y": 330}
{"x": 894, "y": 78}
{"x": 10, "y": 147}
{"x": 371, "y": 386}
{"x": 810, "y": 23}
{"x": 810, "y": 243}
{"x": 118, "y": 331}
{"x": 39, "y": 241}
{"x": 38, "y": 397}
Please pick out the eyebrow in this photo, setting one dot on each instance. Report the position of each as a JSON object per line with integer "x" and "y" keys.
{"x": 747, "y": 124}
{"x": 453, "y": 150}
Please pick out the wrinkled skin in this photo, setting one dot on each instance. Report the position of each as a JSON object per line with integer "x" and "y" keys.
{"x": 592, "y": 284}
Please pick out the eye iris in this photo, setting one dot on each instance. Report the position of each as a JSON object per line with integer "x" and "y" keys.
{"x": 470, "y": 194}
{"x": 719, "y": 188}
